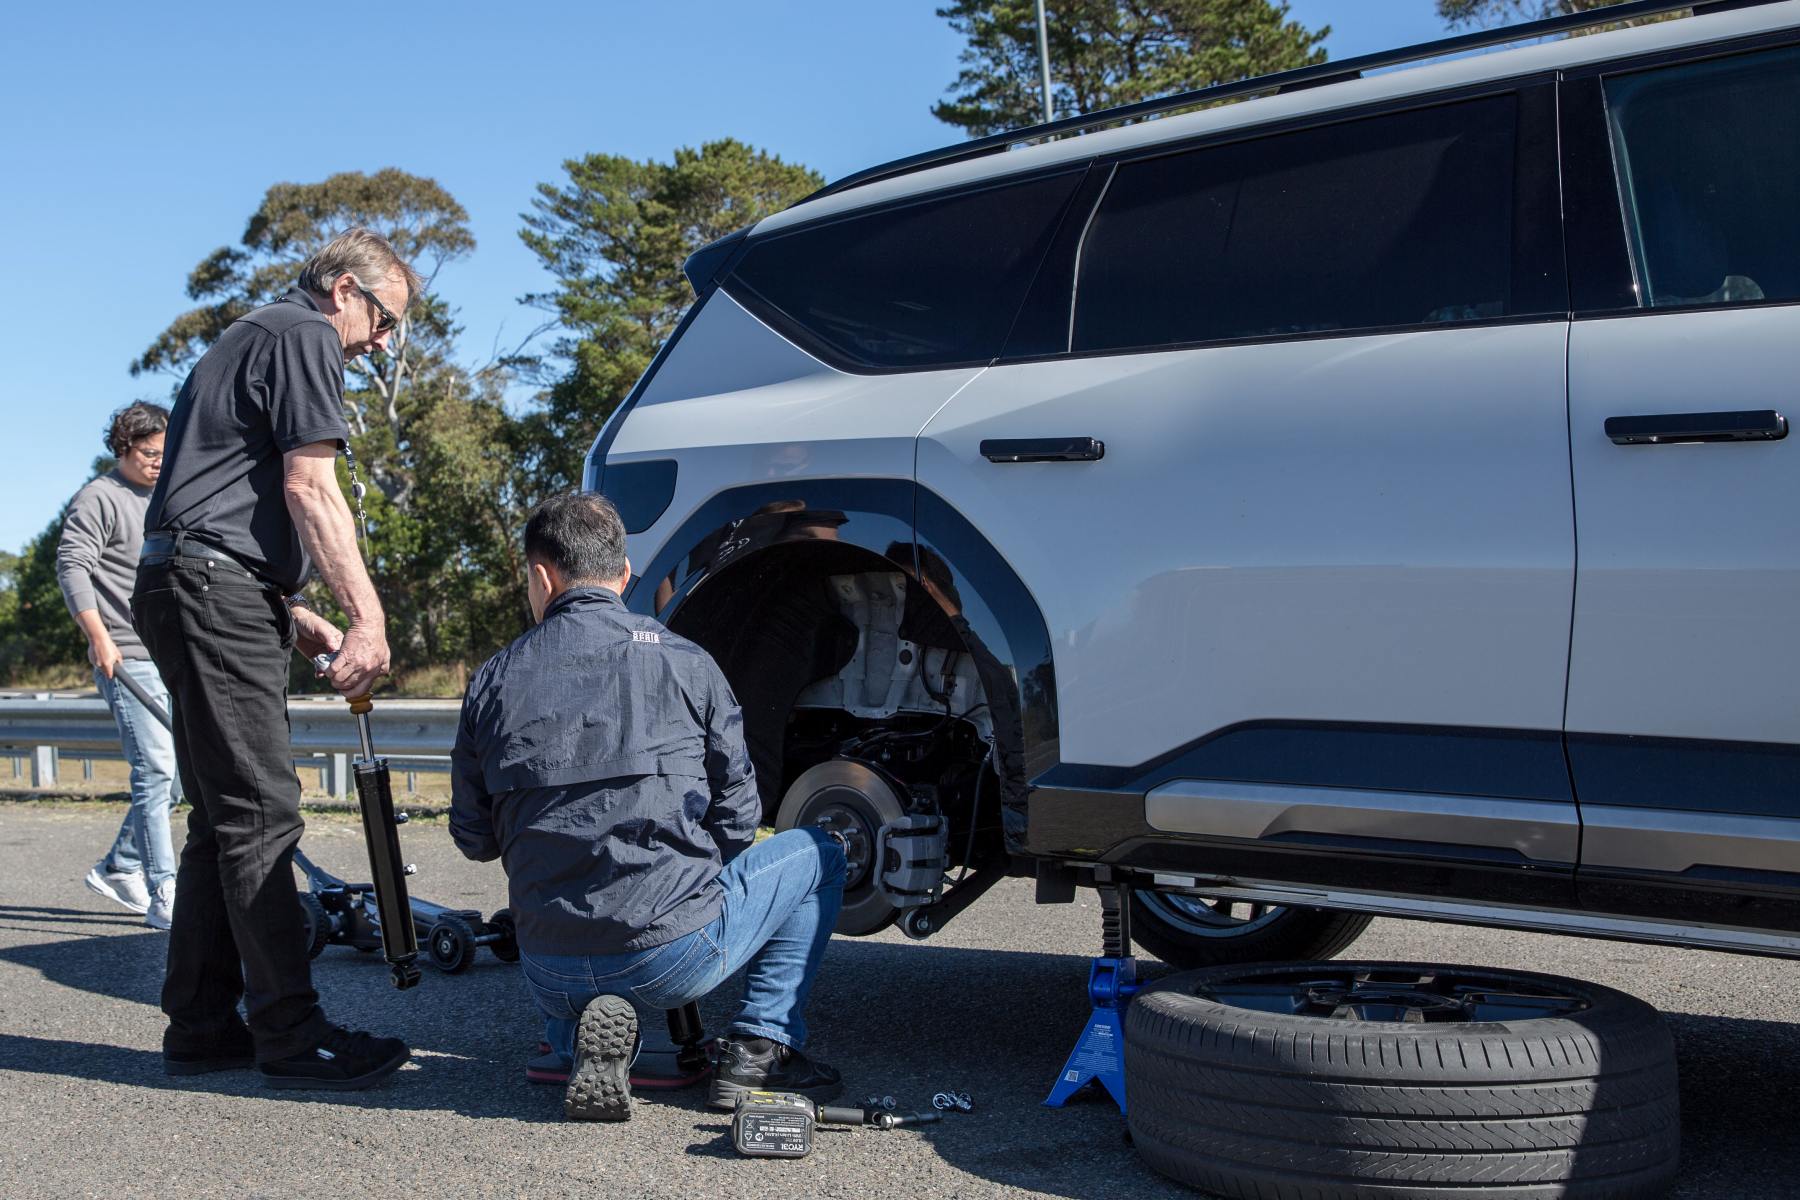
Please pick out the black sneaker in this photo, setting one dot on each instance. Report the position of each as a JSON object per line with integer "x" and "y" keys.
{"x": 343, "y": 1062}
{"x": 761, "y": 1065}
{"x": 605, "y": 1043}
{"x": 232, "y": 1052}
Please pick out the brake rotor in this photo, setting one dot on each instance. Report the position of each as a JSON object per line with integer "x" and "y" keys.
{"x": 854, "y": 800}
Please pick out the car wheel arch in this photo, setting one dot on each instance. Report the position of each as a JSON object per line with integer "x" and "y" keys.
{"x": 743, "y": 542}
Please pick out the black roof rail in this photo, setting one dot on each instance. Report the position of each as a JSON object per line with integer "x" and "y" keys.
{"x": 1283, "y": 81}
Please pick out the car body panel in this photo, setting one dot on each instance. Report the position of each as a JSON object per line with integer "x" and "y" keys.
{"x": 1372, "y": 528}
{"x": 738, "y": 403}
{"x": 1690, "y": 564}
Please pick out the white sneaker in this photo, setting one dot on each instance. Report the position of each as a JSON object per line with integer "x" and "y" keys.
{"x": 162, "y": 906}
{"x": 127, "y": 889}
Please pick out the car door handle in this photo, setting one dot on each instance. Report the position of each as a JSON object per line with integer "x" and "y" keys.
{"x": 1032, "y": 450}
{"x": 1750, "y": 425}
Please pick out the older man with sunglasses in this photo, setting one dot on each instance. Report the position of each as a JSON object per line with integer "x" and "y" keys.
{"x": 248, "y": 508}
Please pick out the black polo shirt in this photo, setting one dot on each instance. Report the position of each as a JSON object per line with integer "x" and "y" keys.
{"x": 273, "y": 382}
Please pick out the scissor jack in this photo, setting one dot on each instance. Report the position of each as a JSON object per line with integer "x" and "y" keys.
{"x": 1112, "y": 981}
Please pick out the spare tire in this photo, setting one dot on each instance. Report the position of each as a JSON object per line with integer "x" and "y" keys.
{"x": 1383, "y": 1081}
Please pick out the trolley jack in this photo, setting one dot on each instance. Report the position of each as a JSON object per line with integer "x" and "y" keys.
{"x": 1112, "y": 981}
{"x": 385, "y": 915}
{"x": 348, "y": 914}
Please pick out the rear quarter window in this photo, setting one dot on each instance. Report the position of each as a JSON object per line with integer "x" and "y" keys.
{"x": 930, "y": 284}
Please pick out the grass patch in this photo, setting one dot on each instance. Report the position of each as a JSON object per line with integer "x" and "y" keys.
{"x": 63, "y": 677}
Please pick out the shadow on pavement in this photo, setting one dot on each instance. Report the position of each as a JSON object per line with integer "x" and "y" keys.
{"x": 64, "y": 916}
{"x": 896, "y": 1018}
{"x": 1739, "y": 1094}
{"x": 124, "y": 966}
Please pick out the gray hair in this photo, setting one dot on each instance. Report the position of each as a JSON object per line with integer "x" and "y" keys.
{"x": 362, "y": 254}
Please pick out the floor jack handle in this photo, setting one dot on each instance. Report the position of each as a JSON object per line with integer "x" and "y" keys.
{"x": 375, "y": 797}
{"x": 123, "y": 677}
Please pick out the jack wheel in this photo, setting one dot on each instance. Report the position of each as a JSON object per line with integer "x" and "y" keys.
{"x": 853, "y": 800}
{"x": 451, "y": 945}
{"x": 317, "y": 924}
{"x": 506, "y": 945}
{"x": 917, "y": 924}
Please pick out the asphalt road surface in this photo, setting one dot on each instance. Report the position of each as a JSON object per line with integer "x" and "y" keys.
{"x": 990, "y": 1005}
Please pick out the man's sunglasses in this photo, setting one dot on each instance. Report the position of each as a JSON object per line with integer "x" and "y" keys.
{"x": 388, "y": 319}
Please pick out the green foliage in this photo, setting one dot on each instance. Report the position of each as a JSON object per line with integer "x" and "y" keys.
{"x": 9, "y": 609}
{"x": 36, "y": 632}
{"x": 423, "y": 221}
{"x": 1110, "y": 52}
{"x": 453, "y": 472}
{"x": 1510, "y": 12}
{"x": 614, "y": 235}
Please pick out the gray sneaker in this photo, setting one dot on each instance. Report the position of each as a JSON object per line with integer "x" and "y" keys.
{"x": 605, "y": 1043}
{"x": 162, "y": 906}
{"x": 126, "y": 889}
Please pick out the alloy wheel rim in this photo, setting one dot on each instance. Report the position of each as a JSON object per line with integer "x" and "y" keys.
{"x": 1210, "y": 917}
{"x": 1404, "y": 995}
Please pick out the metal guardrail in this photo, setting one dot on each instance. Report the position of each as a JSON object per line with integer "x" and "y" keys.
{"x": 412, "y": 731}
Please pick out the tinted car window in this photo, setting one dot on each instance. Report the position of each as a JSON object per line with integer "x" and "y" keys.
{"x": 923, "y": 285}
{"x": 1402, "y": 219}
{"x": 1708, "y": 160}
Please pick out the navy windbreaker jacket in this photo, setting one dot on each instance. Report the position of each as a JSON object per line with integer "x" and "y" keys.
{"x": 601, "y": 758}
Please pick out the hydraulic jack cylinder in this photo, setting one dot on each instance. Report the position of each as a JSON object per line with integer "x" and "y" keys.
{"x": 381, "y": 833}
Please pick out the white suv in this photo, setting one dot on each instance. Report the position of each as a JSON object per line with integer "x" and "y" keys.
{"x": 1368, "y": 498}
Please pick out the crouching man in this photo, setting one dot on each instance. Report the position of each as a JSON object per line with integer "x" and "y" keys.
{"x": 601, "y": 758}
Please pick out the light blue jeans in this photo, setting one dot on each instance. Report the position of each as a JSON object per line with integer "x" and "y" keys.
{"x": 782, "y": 897}
{"x": 143, "y": 843}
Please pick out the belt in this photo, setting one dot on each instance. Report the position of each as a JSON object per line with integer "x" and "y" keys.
{"x": 164, "y": 545}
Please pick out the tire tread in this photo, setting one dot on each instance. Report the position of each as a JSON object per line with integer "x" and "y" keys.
{"x": 1264, "y": 1106}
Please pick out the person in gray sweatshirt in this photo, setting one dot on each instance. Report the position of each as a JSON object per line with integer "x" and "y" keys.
{"x": 96, "y": 564}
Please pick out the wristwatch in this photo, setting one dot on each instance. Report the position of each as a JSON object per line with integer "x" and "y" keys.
{"x": 296, "y": 601}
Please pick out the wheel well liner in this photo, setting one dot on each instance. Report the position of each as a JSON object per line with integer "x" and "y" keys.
{"x": 755, "y": 541}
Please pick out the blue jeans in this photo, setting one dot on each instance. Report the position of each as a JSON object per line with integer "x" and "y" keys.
{"x": 143, "y": 843}
{"x": 781, "y": 899}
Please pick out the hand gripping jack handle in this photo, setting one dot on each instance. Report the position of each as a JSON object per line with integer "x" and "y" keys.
{"x": 381, "y": 832}
{"x": 375, "y": 796}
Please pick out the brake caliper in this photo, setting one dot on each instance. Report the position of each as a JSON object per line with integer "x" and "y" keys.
{"x": 912, "y": 853}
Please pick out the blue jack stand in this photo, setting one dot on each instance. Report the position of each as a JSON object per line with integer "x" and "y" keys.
{"x": 1112, "y": 981}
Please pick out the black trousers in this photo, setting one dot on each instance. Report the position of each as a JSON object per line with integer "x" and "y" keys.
{"x": 221, "y": 640}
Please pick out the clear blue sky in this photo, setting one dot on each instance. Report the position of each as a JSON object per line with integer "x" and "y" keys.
{"x": 138, "y": 137}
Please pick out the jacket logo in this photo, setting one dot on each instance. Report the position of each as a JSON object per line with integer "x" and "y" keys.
{"x": 645, "y": 635}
